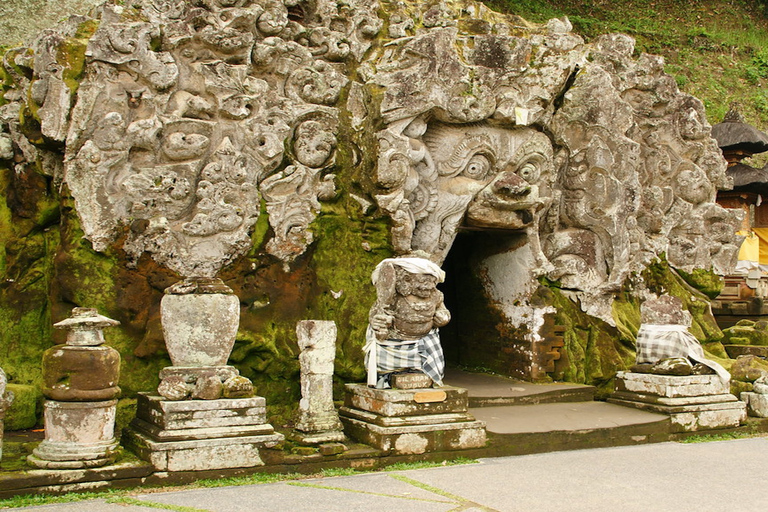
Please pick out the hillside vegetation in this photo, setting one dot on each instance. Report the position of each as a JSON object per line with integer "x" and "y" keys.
{"x": 716, "y": 50}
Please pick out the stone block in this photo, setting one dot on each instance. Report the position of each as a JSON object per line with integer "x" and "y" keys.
{"x": 196, "y": 435}
{"x": 411, "y": 402}
{"x": 201, "y": 454}
{"x": 77, "y": 435}
{"x": 404, "y": 422}
{"x": 189, "y": 414}
{"x": 757, "y": 404}
{"x": 671, "y": 386}
{"x": 417, "y": 439}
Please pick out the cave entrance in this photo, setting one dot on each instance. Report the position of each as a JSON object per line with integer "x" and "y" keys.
{"x": 489, "y": 289}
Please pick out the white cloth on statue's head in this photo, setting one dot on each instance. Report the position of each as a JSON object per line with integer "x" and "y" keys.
{"x": 413, "y": 266}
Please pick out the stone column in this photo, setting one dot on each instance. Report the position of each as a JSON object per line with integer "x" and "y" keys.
{"x": 80, "y": 383}
{"x": 318, "y": 421}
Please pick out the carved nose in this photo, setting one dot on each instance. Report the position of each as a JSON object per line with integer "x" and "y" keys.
{"x": 510, "y": 184}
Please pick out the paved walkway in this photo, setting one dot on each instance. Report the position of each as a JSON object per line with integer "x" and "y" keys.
{"x": 713, "y": 476}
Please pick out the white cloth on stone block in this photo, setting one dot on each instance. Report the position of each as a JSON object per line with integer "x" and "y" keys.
{"x": 425, "y": 354}
{"x": 413, "y": 266}
{"x": 656, "y": 342}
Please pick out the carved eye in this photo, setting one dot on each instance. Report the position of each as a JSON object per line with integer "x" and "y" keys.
{"x": 477, "y": 167}
{"x": 529, "y": 172}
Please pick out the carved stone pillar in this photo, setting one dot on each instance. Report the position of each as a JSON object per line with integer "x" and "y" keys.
{"x": 318, "y": 421}
{"x": 80, "y": 383}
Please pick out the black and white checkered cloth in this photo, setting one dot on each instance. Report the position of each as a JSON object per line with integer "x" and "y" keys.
{"x": 657, "y": 342}
{"x": 425, "y": 354}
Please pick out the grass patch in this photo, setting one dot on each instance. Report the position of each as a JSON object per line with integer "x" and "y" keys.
{"x": 728, "y": 436}
{"x": 125, "y": 496}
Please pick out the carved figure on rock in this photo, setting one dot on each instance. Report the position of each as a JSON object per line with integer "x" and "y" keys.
{"x": 664, "y": 345}
{"x": 404, "y": 321}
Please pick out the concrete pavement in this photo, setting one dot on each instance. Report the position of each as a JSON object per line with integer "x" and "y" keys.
{"x": 712, "y": 476}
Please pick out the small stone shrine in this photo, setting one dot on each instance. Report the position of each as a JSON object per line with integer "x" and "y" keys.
{"x": 5, "y": 402}
{"x": 672, "y": 376}
{"x": 206, "y": 416}
{"x": 757, "y": 399}
{"x": 403, "y": 351}
{"x": 80, "y": 384}
{"x": 318, "y": 421}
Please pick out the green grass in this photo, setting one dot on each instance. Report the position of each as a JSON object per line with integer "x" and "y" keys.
{"x": 728, "y": 436}
{"x": 125, "y": 496}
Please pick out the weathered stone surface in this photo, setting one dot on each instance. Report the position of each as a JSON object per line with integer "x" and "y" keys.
{"x": 749, "y": 368}
{"x": 671, "y": 386}
{"x": 757, "y": 404}
{"x": 176, "y": 125}
{"x": 417, "y": 439}
{"x": 694, "y": 402}
{"x": 317, "y": 413}
{"x": 194, "y": 435}
{"x": 411, "y": 421}
{"x": 390, "y": 402}
{"x": 77, "y": 435}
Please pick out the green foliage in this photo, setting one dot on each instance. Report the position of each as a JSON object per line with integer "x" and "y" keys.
{"x": 715, "y": 50}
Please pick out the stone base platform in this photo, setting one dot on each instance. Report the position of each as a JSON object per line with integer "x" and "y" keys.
{"x": 412, "y": 421}
{"x": 695, "y": 402}
{"x": 196, "y": 435}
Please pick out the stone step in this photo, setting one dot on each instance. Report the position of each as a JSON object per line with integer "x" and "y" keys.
{"x": 494, "y": 390}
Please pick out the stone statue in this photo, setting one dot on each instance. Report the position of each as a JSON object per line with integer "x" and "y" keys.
{"x": 404, "y": 321}
{"x": 664, "y": 345}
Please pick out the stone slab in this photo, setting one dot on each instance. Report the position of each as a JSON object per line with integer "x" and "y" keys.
{"x": 200, "y": 455}
{"x": 671, "y": 386}
{"x": 417, "y": 439}
{"x": 695, "y": 417}
{"x": 159, "y": 434}
{"x": 675, "y": 402}
{"x": 406, "y": 402}
{"x": 189, "y": 414}
{"x": 400, "y": 421}
{"x": 757, "y": 404}
{"x": 313, "y": 438}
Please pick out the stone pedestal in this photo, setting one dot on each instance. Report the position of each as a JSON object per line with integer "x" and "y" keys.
{"x": 196, "y": 435}
{"x": 77, "y": 435}
{"x": 411, "y": 421}
{"x": 694, "y": 402}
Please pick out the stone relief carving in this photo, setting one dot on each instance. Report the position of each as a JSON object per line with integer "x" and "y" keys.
{"x": 192, "y": 117}
{"x": 189, "y": 115}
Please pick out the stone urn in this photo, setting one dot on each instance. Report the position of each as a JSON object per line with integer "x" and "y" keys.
{"x": 80, "y": 384}
{"x": 200, "y": 317}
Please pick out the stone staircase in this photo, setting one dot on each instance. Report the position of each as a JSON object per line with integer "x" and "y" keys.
{"x": 523, "y": 417}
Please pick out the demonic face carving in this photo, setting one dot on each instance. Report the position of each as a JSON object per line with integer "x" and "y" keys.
{"x": 480, "y": 175}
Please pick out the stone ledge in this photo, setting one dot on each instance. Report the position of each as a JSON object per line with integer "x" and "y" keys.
{"x": 406, "y": 402}
{"x": 399, "y": 421}
{"x": 671, "y": 386}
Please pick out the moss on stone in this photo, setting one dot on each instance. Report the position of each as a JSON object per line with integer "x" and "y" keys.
{"x": 25, "y": 408}
{"x": 660, "y": 278}
{"x": 705, "y": 281}
{"x": 126, "y": 411}
{"x": 595, "y": 349}
{"x": 747, "y": 332}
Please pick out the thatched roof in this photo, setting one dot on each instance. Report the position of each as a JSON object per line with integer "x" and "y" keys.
{"x": 745, "y": 176}
{"x": 734, "y": 133}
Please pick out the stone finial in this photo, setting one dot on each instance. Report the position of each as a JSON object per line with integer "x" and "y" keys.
{"x": 85, "y": 327}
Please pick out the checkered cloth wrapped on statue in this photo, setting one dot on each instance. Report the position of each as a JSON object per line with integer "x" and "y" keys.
{"x": 425, "y": 354}
{"x": 657, "y": 342}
